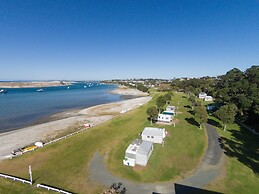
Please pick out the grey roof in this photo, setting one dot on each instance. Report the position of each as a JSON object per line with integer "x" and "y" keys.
{"x": 136, "y": 142}
{"x": 170, "y": 108}
{"x": 152, "y": 131}
{"x": 144, "y": 147}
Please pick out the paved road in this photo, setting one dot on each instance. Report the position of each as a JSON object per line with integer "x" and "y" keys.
{"x": 209, "y": 168}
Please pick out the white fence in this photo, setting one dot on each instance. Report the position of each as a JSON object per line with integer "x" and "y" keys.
{"x": 30, "y": 183}
{"x": 64, "y": 137}
{"x": 52, "y": 189}
{"x": 15, "y": 178}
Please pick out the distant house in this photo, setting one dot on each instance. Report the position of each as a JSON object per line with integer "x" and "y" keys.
{"x": 208, "y": 98}
{"x": 138, "y": 152}
{"x": 202, "y": 95}
{"x": 152, "y": 134}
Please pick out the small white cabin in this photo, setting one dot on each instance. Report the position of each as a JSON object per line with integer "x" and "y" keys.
{"x": 202, "y": 95}
{"x": 167, "y": 118}
{"x": 152, "y": 134}
{"x": 208, "y": 98}
{"x": 138, "y": 152}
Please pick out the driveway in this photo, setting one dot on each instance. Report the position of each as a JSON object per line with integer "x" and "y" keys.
{"x": 209, "y": 168}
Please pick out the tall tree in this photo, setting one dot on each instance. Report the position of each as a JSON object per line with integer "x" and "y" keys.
{"x": 152, "y": 113}
{"x": 160, "y": 102}
{"x": 201, "y": 115}
{"x": 192, "y": 100}
{"x": 227, "y": 114}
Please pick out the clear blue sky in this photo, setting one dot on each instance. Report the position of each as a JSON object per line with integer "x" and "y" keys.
{"x": 106, "y": 39}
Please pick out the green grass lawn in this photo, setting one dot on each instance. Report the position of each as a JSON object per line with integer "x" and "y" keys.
{"x": 242, "y": 153}
{"x": 183, "y": 147}
{"x": 65, "y": 163}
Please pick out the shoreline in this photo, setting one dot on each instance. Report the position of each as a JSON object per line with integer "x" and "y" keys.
{"x": 50, "y": 126}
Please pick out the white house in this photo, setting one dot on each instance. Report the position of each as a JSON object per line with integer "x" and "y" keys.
{"x": 167, "y": 115}
{"x": 167, "y": 118}
{"x": 208, "y": 98}
{"x": 155, "y": 135}
{"x": 138, "y": 152}
{"x": 202, "y": 95}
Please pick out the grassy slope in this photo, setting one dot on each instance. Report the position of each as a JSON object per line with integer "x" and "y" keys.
{"x": 242, "y": 172}
{"x": 65, "y": 163}
{"x": 181, "y": 152}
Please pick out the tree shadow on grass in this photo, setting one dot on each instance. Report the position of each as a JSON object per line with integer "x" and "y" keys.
{"x": 214, "y": 123}
{"x": 192, "y": 121}
{"x": 191, "y": 112}
{"x": 243, "y": 146}
{"x": 187, "y": 106}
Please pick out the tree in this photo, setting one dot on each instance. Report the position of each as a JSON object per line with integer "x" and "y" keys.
{"x": 168, "y": 97}
{"x": 152, "y": 113}
{"x": 201, "y": 114}
{"x": 227, "y": 114}
{"x": 142, "y": 88}
{"x": 192, "y": 100}
{"x": 164, "y": 87}
{"x": 160, "y": 102}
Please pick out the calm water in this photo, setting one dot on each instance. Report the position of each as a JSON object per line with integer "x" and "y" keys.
{"x": 20, "y": 107}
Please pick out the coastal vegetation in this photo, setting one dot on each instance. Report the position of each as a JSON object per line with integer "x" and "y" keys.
{"x": 235, "y": 87}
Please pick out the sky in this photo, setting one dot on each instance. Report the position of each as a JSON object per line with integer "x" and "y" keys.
{"x": 122, "y": 39}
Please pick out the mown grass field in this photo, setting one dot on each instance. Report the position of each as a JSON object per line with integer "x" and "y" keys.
{"x": 65, "y": 163}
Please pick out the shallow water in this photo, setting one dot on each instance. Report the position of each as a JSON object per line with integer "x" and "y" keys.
{"x": 22, "y": 106}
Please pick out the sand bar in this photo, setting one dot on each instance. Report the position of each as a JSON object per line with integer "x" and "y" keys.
{"x": 92, "y": 115}
{"x": 34, "y": 84}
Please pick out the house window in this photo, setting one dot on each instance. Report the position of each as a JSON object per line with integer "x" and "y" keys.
{"x": 152, "y": 137}
{"x": 148, "y": 136}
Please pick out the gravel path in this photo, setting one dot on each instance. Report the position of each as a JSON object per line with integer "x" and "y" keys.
{"x": 210, "y": 167}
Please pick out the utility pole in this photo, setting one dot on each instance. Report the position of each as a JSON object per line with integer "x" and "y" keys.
{"x": 30, "y": 173}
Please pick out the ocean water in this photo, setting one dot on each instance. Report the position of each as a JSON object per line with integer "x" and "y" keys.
{"x": 21, "y": 107}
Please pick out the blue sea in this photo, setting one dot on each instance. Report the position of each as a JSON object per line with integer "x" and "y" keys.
{"x": 21, "y": 107}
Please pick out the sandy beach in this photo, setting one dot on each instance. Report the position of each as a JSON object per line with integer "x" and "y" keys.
{"x": 128, "y": 91}
{"x": 61, "y": 122}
